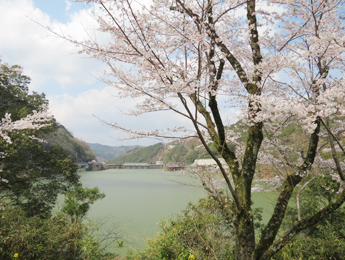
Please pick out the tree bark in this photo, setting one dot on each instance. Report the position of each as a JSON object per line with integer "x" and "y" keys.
{"x": 245, "y": 236}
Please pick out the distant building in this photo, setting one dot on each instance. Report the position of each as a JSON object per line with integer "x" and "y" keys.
{"x": 95, "y": 166}
{"x": 208, "y": 162}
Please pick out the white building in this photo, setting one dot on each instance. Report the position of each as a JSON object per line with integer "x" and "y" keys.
{"x": 208, "y": 162}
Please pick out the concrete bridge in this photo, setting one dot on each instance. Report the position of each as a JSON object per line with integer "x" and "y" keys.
{"x": 135, "y": 166}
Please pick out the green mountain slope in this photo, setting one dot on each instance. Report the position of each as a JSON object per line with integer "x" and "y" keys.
{"x": 105, "y": 152}
{"x": 76, "y": 147}
{"x": 191, "y": 149}
{"x": 168, "y": 153}
{"x": 139, "y": 155}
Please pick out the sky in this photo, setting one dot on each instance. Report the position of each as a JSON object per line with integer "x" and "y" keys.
{"x": 71, "y": 82}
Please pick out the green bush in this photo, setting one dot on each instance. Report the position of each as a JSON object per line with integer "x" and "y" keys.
{"x": 325, "y": 240}
{"x": 201, "y": 230}
{"x": 35, "y": 238}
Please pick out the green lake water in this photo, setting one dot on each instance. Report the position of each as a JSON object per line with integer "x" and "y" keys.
{"x": 136, "y": 200}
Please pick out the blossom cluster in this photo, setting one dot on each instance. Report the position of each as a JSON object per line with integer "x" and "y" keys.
{"x": 34, "y": 121}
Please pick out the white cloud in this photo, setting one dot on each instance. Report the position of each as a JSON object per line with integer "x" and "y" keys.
{"x": 46, "y": 59}
{"x": 68, "y": 5}
{"x": 68, "y": 79}
{"x": 54, "y": 65}
{"x": 80, "y": 115}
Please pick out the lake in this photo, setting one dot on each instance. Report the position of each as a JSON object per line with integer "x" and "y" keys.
{"x": 136, "y": 200}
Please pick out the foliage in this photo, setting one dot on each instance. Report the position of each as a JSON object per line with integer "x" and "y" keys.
{"x": 190, "y": 157}
{"x": 138, "y": 155}
{"x": 34, "y": 173}
{"x": 19, "y": 112}
{"x": 325, "y": 240}
{"x": 190, "y": 150}
{"x": 35, "y": 238}
{"x": 109, "y": 152}
{"x": 176, "y": 154}
{"x": 78, "y": 200}
{"x": 74, "y": 146}
{"x": 202, "y": 230}
{"x": 14, "y": 90}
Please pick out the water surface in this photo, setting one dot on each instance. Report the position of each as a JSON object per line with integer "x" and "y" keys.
{"x": 137, "y": 199}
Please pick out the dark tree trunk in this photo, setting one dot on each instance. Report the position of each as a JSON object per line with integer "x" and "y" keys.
{"x": 245, "y": 236}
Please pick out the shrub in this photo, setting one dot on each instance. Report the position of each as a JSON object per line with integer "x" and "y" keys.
{"x": 35, "y": 238}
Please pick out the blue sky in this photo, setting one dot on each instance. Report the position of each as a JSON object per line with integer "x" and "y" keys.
{"x": 59, "y": 10}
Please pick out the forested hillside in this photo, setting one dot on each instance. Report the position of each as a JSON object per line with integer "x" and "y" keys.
{"x": 74, "y": 146}
{"x": 191, "y": 149}
{"x": 168, "y": 153}
{"x": 138, "y": 154}
{"x": 105, "y": 152}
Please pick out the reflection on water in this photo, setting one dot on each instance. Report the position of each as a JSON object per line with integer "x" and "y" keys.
{"x": 137, "y": 199}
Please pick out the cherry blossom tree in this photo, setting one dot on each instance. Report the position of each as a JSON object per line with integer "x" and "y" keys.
{"x": 33, "y": 121}
{"x": 279, "y": 62}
